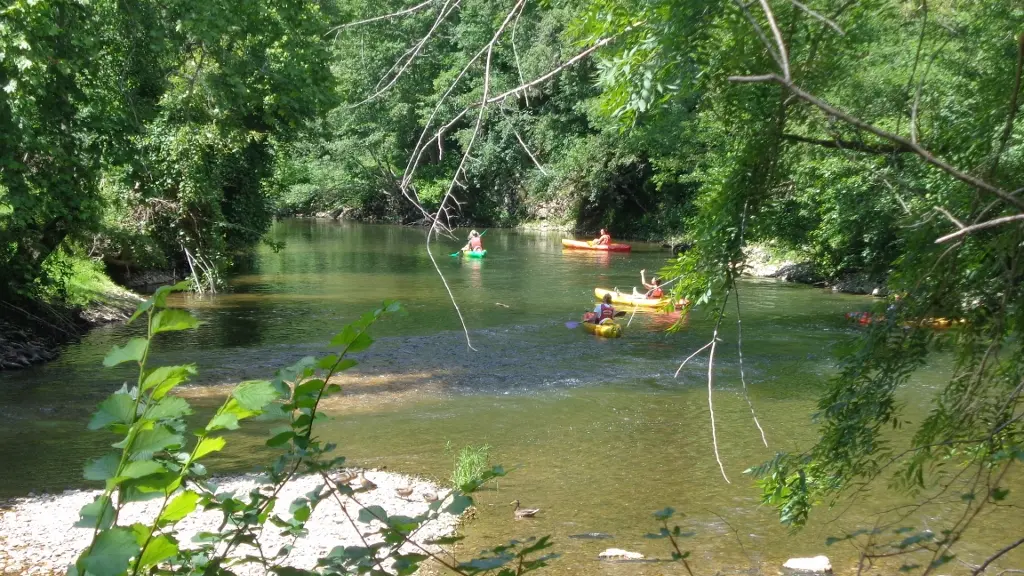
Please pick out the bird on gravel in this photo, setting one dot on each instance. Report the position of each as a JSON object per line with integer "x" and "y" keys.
{"x": 404, "y": 492}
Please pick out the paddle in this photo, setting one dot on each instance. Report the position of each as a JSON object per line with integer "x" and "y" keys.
{"x": 459, "y": 253}
{"x": 574, "y": 325}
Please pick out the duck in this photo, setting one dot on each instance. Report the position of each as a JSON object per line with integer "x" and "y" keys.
{"x": 362, "y": 483}
{"x": 404, "y": 492}
{"x": 519, "y": 513}
{"x": 345, "y": 477}
{"x": 429, "y": 497}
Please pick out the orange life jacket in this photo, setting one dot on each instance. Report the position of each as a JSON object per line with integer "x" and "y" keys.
{"x": 606, "y": 312}
{"x": 655, "y": 293}
{"x": 604, "y": 240}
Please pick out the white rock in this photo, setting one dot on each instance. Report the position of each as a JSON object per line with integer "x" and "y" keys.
{"x": 36, "y": 536}
{"x": 816, "y": 565}
{"x": 619, "y": 553}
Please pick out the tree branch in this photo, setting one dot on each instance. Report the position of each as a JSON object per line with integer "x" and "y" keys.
{"x": 383, "y": 17}
{"x": 819, "y": 17}
{"x": 975, "y": 227}
{"x": 848, "y": 145}
{"x": 895, "y": 138}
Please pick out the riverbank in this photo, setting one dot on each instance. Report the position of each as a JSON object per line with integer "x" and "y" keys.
{"x": 764, "y": 261}
{"x": 33, "y": 331}
{"x": 37, "y": 537}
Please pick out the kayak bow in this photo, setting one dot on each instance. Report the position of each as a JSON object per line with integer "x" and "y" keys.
{"x": 582, "y": 245}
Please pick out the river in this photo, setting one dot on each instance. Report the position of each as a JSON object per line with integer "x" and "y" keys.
{"x": 599, "y": 433}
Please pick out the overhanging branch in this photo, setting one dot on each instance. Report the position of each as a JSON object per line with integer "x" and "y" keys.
{"x": 849, "y": 145}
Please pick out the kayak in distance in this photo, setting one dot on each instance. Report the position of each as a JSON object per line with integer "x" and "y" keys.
{"x": 585, "y": 245}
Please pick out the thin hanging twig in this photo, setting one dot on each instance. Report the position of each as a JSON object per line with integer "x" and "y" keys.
{"x": 711, "y": 375}
{"x": 743, "y": 379}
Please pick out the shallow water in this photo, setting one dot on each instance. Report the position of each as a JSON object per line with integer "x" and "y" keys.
{"x": 598, "y": 432}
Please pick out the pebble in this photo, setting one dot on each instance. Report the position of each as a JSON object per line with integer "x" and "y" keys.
{"x": 37, "y": 537}
{"x": 618, "y": 553}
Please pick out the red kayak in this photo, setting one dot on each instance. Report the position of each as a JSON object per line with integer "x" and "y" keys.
{"x": 583, "y": 245}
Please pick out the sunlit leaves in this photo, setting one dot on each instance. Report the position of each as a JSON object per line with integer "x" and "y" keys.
{"x": 149, "y": 442}
{"x": 102, "y": 468}
{"x": 165, "y": 378}
{"x": 118, "y": 408}
{"x": 133, "y": 351}
{"x": 209, "y": 445}
{"x": 110, "y": 552}
{"x": 172, "y": 320}
{"x": 181, "y": 506}
{"x": 254, "y": 395}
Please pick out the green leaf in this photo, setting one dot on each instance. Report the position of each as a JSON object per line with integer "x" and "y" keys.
{"x": 225, "y": 421}
{"x": 165, "y": 378}
{"x": 133, "y": 351}
{"x": 141, "y": 468}
{"x": 255, "y": 394}
{"x": 182, "y": 505}
{"x": 302, "y": 513}
{"x": 100, "y": 511}
{"x": 664, "y": 513}
{"x": 168, "y": 408}
{"x": 281, "y": 439}
{"x": 360, "y": 343}
{"x": 310, "y": 387}
{"x": 149, "y": 442}
{"x": 459, "y": 504}
{"x": 161, "y": 294}
{"x": 172, "y": 320}
{"x": 102, "y": 468}
{"x": 118, "y": 408}
{"x": 369, "y": 513}
{"x": 111, "y": 552}
{"x": 209, "y": 445}
{"x": 159, "y": 549}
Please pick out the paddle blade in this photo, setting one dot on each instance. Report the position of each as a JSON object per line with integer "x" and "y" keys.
{"x": 572, "y": 325}
{"x": 454, "y": 254}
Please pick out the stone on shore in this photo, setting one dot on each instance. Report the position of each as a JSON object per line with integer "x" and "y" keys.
{"x": 815, "y": 565}
{"x": 37, "y": 537}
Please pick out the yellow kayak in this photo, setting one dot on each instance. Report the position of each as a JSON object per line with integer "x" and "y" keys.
{"x": 606, "y": 329}
{"x": 630, "y": 300}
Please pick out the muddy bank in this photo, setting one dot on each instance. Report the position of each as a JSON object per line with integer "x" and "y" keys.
{"x": 33, "y": 333}
{"x": 37, "y": 537}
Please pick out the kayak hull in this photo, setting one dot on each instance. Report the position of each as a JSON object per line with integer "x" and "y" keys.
{"x": 479, "y": 254}
{"x": 607, "y": 329}
{"x": 583, "y": 245}
{"x": 630, "y": 300}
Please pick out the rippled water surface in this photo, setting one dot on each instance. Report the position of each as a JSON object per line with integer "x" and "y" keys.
{"x": 599, "y": 432}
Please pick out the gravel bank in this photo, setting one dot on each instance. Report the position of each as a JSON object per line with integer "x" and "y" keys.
{"x": 37, "y": 537}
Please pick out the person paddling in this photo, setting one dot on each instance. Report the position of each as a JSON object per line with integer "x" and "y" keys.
{"x": 603, "y": 311}
{"x": 475, "y": 244}
{"x": 603, "y": 239}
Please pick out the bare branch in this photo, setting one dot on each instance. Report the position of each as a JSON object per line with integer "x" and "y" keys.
{"x": 527, "y": 150}
{"x": 778, "y": 38}
{"x": 818, "y": 16}
{"x": 690, "y": 357}
{"x": 410, "y": 55}
{"x": 760, "y": 31}
{"x": 997, "y": 554}
{"x": 917, "y": 149}
{"x": 384, "y": 17}
{"x": 947, "y": 214}
{"x": 515, "y": 53}
{"x": 711, "y": 373}
{"x": 964, "y": 230}
{"x": 743, "y": 379}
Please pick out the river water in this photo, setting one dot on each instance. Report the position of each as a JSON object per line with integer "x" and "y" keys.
{"x": 599, "y": 433}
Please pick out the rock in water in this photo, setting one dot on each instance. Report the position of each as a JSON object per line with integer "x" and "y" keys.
{"x": 816, "y": 565}
{"x": 620, "y": 554}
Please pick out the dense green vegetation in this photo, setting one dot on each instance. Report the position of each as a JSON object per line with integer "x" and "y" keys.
{"x": 143, "y": 133}
{"x": 875, "y": 135}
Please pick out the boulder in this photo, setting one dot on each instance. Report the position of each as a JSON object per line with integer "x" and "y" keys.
{"x": 620, "y": 554}
{"x": 815, "y": 565}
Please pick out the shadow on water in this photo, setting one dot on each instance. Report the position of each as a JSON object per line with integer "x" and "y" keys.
{"x": 600, "y": 432}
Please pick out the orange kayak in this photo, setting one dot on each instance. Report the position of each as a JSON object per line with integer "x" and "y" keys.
{"x": 584, "y": 245}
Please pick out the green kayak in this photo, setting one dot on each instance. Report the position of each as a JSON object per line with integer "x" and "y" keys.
{"x": 479, "y": 254}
